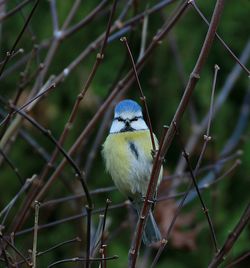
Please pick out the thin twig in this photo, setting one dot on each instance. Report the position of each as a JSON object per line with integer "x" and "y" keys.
{"x": 143, "y": 37}
{"x": 185, "y": 100}
{"x": 231, "y": 239}
{"x": 207, "y": 136}
{"x": 8, "y": 55}
{"x": 14, "y": 10}
{"x": 34, "y": 250}
{"x": 15, "y": 249}
{"x": 204, "y": 208}
{"x": 238, "y": 260}
{"x": 49, "y": 135}
{"x": 6, "y": 259}
{"x": 77, "y": 239}
{"x": 220, "y": 100}
{"x": 71, "y": 218}
{"x": 143, "y": 97}
{"x": 78, "y": 196}
{"x": 220, "y": 39}
{"x": 7, "y": 209}
{"x": 121, "y": 87}
{"x": 54, "y": 16}
{"x": 103, "y": 246}
{"x": 232, "y": 142}
{"x": 12, "y": 166}
{"x": 77, "y": 259}
{"x": 88, "y": 242}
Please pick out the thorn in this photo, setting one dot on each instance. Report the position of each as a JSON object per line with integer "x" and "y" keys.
{"x": 207, "y": 138}
{"x": 195, "y": 75}
{"x": 66, "y": 72}
{"x": 41, "y": 65}
{"x": 205, "y": 210}
{"x": 123, "y": 39}
{"x": 217, "y": 67}
{"x": 132, "y": 251}
{"x": 37, "y": 203}
{"x": 100, "y": 56}
{"x": 108, "y": 201}
{"x": 164, "y": 241}
{"x": 238, "y": 162}
{"x": 119, "y": 24}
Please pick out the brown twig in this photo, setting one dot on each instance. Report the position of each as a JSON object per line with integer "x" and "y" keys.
{"x": 77, "y": 239}
{"x": 71, "y": 218}
{"x": 242, "y": 223}
{"x": 49, "y": 135}
{"x": 143, "y": 97}
{"x": 14, "y": 10}
{"x": 73, "y": 114}
{"x": 34, "y": 250}
{"x": 5, "y": 257}
{"x": 77, "y": 259}
{"x": 7, "y": 209}
{"x": 78, "y": 196}
{"x": 175, "y": 122}
{"x": 12, "y": 166}
{"x": 220, "y": 100}
{"x": 189, "y": 188}
{"x": 8, "y": 55}
{"x": 85, "y": 21}
{"x": 220, "y": 39}
{"x": 103, "y": 246}
{"x": 88, "y": 239}
{"x": 15, "y": 53}
{"x": 207, "y": 136}
{"x": 238, "y": 260}
{"x": 204, "y": 208}
{"x": 121, "y": 87}
{"x": 15, "y": 249}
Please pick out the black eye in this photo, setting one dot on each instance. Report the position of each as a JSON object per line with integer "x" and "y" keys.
{"x": 135, "y": 118}
{"x": 119, "y": 119}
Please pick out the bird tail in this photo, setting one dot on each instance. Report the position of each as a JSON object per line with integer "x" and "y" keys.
{"x": 151, "y": 233}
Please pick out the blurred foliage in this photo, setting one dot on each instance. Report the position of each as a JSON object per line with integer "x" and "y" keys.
{"x": 163, "y": 87}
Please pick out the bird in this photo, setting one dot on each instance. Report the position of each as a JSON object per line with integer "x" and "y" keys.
{"x": 128, "y": 157}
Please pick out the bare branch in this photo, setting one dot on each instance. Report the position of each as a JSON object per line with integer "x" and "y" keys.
{"x": 232, "y": 238}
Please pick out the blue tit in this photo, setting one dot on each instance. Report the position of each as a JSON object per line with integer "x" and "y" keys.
{"x": 127, "y": 153}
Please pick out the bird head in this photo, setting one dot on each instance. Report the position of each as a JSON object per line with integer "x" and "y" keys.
{"x": 128, "y": 117}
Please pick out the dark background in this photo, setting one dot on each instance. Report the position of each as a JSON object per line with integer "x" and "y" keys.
{"x": 163, "y": 80}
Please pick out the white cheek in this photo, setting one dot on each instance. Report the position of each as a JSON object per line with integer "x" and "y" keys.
{"x": 116, "y": 126}
{"x": 139, "y": 124}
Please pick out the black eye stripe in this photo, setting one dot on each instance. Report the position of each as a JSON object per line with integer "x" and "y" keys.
{"x": 124, "y": 120}
{"x": 135, "y": 118}
{"x": 119, "y": 119}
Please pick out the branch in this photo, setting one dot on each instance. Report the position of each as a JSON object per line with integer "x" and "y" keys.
{"x": 232, "y": 238}
{"x": 168, "y": 138}
{"x": 9, "y": 53}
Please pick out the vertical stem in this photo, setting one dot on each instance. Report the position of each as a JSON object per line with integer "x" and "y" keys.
{"x": 175, "y": 122}
{"x": 34, "y": 250}
{"x": 244, "y": 220}
{"x": 103, "y": 246}
{"x": 143, "y": 98}
{"x": 89, "y": 210}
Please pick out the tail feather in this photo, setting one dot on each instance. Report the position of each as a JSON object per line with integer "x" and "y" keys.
{"x": 151, "y": 233}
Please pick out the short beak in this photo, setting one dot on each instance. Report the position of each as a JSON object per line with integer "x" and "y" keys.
{"x": 127, "y": 123}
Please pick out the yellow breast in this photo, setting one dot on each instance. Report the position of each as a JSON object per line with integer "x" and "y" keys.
{"x": 128, "y": 159}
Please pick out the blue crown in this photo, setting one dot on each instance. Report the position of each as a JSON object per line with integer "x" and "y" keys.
{"x": 127, "y": 106}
